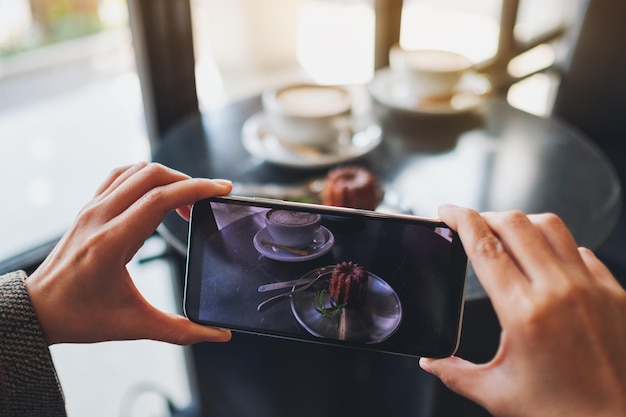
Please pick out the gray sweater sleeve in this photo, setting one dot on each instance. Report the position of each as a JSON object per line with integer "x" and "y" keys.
{"x": 28, "y": 381}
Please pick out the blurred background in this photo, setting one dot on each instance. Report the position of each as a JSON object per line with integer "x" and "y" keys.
{"x": 71, "y": 109}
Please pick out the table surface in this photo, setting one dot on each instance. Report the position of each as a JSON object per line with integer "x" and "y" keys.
{"x": 499, "y": 158}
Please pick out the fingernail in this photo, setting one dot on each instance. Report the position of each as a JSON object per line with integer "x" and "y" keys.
{"x": 448, "y": 207}
{"x": 425, "y": 365}
{"x": 226, "y": 334}
{"x": 222, "y": 182}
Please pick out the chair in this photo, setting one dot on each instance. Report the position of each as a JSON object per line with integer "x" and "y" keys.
{"x": 592, "y": 97}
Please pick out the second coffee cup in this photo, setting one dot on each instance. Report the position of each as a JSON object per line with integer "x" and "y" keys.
{"x": 428, "y": 74}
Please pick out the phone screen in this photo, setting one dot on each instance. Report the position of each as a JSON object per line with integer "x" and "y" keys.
{"x": 384, "y": 282}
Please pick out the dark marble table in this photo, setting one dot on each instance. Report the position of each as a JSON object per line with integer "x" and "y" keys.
{"x": 497, "y": 159}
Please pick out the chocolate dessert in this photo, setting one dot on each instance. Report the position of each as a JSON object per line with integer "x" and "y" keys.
{"x": 348, "y": 284}
{"x": 351, "y": 186}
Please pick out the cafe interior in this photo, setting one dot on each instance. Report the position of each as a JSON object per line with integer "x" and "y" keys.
{"x": 518, "y": 105}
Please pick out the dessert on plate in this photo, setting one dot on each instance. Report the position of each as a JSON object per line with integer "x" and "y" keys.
{"x": 348, "y": 284}
{"x": 351, "y": 186}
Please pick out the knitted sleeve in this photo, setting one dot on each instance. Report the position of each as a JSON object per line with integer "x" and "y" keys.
{"x": 28, "y": 381}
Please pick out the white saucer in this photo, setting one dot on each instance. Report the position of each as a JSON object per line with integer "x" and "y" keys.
{"x": 359, "y": 138}
{"x": 471, "y": 93}
{"x": 322, "y": 243}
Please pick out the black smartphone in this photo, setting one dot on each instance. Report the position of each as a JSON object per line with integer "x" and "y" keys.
{"x": 387, "y": 282}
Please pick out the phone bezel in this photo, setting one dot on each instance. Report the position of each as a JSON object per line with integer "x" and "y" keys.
{"x": 192, "y": 286}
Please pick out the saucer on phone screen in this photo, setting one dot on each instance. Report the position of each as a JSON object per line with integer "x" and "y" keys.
{"x": 358, "y": 138}
{"x": 322, "y": 243}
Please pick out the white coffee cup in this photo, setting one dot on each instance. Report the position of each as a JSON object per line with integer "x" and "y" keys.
{"x": 292, "y": 228}
{"x": 306, "y": 114}
{"x": 428, "y": 73}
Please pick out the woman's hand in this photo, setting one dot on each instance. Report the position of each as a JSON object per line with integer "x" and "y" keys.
{"x": 563, "y": 345}
{"x": 83, "y": 292}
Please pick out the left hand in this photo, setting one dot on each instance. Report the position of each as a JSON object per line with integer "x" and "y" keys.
{"x": 83, "y": 292}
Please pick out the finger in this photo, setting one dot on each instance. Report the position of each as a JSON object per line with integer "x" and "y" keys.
{"x": 185, "y": 211}
{"x": 494, "y": 267}
{"x": 597, "y": 269}
{"x": 558, "y": 236}
{"x": 136, "y": 184}
{"x": 152, "y": 324}
{"x": 143, "y": 217}
{"x": 117, "y": 176}
{"x": 172, "y": 328}
{"x": 463, "y": 377}
{"x": 526, "y": 245}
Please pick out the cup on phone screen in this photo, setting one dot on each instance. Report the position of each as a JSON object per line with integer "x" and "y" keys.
{"x": 292, "y": 228}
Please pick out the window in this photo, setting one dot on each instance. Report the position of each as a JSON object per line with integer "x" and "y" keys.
{"x": 246, "y": 45}
{"x": 70, "y": 110}
{"x": 71, "y": 103}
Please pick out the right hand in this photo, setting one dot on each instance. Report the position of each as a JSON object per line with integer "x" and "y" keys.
{"x": 563, "y": 315}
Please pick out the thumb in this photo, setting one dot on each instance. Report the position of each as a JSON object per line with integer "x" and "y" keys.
{"x": 176, "y": 329}
{"x": 461, "y": 376}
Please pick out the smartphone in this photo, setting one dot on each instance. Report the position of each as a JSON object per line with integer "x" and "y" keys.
{"x": 387, "y": 282}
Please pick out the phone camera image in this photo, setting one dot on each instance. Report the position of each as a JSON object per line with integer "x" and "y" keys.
{"x": 291, "y": 229}
{"x": 393, "y": 284}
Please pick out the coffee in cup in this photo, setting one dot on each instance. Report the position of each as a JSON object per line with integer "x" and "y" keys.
{"x": 307, "y": 114}
{"x": 293, "y": 229}
{"x": 428, "y": 74}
